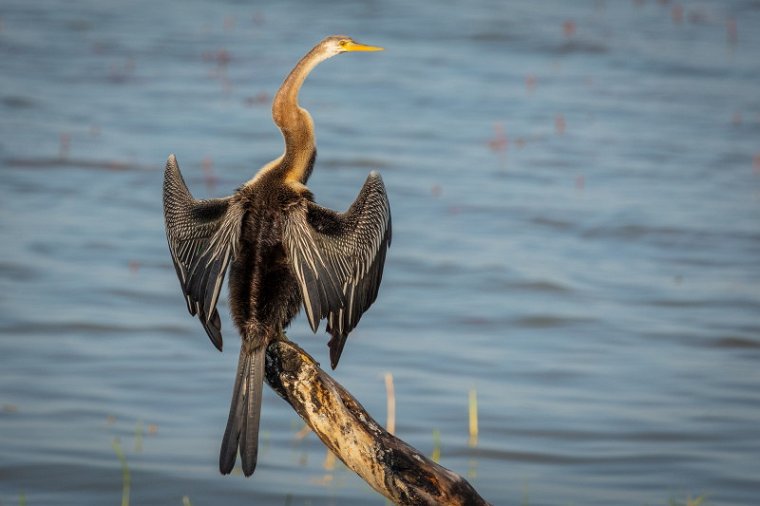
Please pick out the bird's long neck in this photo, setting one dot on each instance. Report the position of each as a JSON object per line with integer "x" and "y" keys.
{"x": 295, "y": 122}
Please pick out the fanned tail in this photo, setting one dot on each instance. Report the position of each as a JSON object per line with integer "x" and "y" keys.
{"x": 243, "y": 423}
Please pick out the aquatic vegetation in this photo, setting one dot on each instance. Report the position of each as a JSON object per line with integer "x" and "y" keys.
{"x": 125, "y": 476}
{"x": 390, "y": 425}
{"x": 697, "y": 501}
{"x": 473, "y": 441}
{"x": 436, "y": 455}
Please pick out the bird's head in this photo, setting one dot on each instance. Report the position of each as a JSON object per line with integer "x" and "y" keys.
{"x": 336, "y": 44}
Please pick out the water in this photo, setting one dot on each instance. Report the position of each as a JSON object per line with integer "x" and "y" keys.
{"x": 576, "y": 198}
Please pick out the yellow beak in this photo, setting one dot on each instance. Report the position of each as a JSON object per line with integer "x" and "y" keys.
{"x": 353, "y": 46}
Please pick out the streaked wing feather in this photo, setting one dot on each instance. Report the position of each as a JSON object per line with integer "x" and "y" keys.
{"x": 338, "y": 259}
{"x": 202, "y": 235}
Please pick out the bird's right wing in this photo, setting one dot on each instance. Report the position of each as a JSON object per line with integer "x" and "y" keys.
{"x": 338, "y": 258}
{"x": 202, "y": 236}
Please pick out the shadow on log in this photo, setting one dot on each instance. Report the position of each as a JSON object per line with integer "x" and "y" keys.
{"x": 385, "y": 462}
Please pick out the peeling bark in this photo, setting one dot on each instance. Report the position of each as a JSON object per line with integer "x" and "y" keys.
{"x": 385, "y": 462}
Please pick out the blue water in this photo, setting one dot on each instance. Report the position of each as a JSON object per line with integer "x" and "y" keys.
{"x": 576, "y": 200}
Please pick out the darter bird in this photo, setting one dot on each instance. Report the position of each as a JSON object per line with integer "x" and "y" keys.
{"x": 282, "y": 250}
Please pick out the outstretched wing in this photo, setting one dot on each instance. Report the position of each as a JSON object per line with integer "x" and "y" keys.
{"x": 202, "y": 235}
{"x": 338, "y": 259}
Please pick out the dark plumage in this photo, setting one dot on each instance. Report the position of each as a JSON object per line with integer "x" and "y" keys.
{"x": 282, "y": 251}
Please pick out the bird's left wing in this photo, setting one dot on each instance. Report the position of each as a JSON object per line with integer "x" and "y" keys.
{"x": 202, "y": 235}
{"x": 338, "y": 258}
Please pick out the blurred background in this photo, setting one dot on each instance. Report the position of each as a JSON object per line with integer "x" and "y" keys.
{"x": 575, "y": 190}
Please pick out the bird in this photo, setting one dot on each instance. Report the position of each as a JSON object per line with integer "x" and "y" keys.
{"x": 282, "y": 251}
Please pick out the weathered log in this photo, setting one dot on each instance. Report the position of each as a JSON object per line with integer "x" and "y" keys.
{"x": 385, "y": 462}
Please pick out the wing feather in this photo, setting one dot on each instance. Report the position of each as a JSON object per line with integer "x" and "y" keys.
{"x": 338, "y": 259}
{"x": 202, "y": 235}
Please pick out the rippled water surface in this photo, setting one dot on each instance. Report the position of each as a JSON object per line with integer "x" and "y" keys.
{"x": 576, "y": 200}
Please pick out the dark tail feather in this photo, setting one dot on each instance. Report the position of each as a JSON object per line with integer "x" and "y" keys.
{"x": 249, "y": 439}
{"x": 243, "y": 422}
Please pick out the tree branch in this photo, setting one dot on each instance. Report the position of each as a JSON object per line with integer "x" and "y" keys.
{"x": 386, "y": 463}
